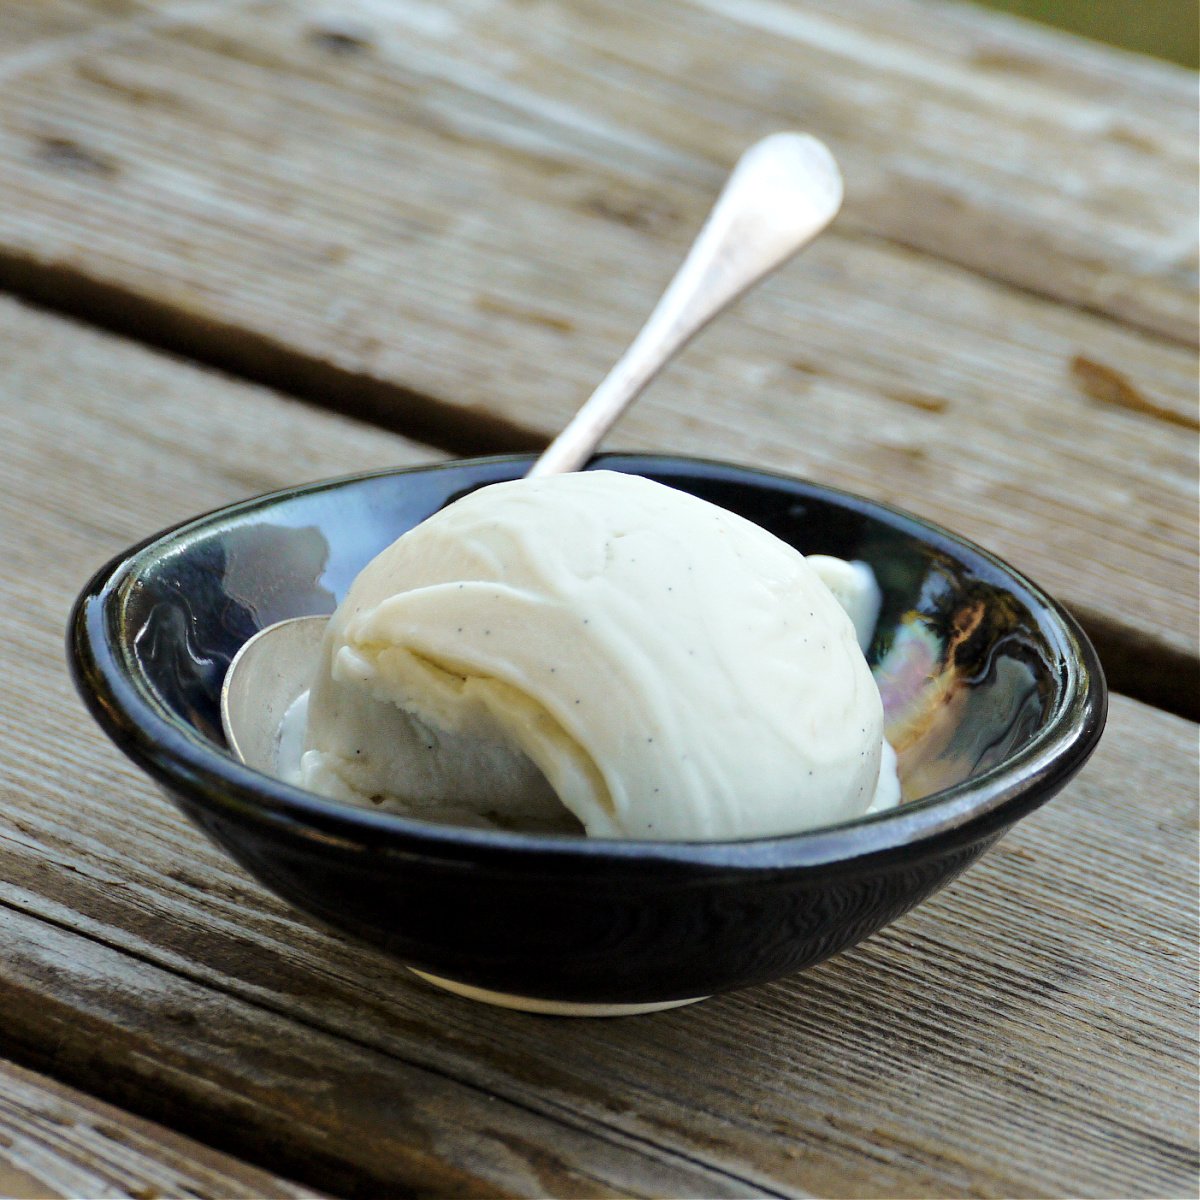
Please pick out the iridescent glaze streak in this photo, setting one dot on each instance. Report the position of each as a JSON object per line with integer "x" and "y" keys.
{"x": 964, "y": 679}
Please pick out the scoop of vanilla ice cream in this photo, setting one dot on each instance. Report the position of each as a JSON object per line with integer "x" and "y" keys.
{"x": 854, "y": 587}
{"x": 596, "y": 642}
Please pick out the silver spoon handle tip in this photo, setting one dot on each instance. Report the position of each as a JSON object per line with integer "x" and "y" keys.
{"x": 783, "y": 191}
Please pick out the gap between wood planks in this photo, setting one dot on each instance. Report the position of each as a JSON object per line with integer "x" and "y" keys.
{"x": 1147, "y": 670}
{"x": 57, "y": 1141}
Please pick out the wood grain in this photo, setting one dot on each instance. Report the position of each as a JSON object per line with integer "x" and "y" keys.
{"x": 1023, "y": 154}
{"x": 451, "y": 220}
{"x": 1029, "y": 1031}
{"x": 57, "y": 1142}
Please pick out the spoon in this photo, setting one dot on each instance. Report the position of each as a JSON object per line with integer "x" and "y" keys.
{"x": 784, "y": 191}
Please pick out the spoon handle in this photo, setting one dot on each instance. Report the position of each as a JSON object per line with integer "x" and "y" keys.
{"x": 782, "y": 193}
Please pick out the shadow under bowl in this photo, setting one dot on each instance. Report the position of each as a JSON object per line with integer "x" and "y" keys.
{"x": 993, "y": 698}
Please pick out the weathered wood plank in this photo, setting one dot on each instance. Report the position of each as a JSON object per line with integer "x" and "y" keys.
{"x": 454, "y": 220}
{"x": 58, "y": 1142}
{"x": 361, "y": 1121}
{"x": 978, "y": 139}
{"x": 1017, "y": 152}
{"x": 1027, "y": 1032}
{"x": 42, "y": 26}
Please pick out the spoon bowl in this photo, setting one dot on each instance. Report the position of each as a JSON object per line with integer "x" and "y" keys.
{"x": 265, "y": 679}
{"x": 993, "y": 697}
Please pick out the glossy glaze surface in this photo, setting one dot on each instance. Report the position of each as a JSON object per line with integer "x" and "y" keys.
{"x": 994, "y": 699}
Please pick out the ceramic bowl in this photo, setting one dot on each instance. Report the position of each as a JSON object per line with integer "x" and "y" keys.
{"x": 994, "y": 699}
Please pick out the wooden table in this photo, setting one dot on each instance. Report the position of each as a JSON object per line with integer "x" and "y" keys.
{"x": 252, "y": 243}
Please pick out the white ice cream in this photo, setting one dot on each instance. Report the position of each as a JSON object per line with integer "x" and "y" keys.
{"x": 596, "y": 649}
{"x": 854, "y": 588}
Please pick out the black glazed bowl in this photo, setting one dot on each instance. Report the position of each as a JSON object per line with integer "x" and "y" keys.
{"x": 994, "y": 699}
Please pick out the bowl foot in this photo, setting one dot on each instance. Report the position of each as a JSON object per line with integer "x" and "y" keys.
{"x": 555, "y": 1008}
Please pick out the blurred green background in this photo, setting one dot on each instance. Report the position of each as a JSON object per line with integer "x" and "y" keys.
{"x": 1165, "y": 28}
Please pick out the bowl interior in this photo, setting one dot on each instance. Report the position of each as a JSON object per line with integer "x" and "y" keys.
{"x": 968, "y": 665}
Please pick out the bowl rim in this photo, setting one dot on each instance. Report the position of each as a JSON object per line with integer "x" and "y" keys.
{"x": 180, "y": 758}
